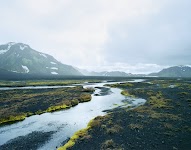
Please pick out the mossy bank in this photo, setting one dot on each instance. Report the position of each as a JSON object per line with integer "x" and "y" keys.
{"x": 16, "y": 105}
{"x": 163, "y": 122}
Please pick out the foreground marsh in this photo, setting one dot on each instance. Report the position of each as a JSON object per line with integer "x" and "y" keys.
{"x": 163, "y": 122}
{"x": 57, "y": 127}
{"x": 16, "y": 105}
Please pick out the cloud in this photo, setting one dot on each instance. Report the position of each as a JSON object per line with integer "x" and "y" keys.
{"x": 93, "y": 33}
{"x": 161, "y": 38}
{"x": 128, "y": 68}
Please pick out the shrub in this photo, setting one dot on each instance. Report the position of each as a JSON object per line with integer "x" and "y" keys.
{"x": 85, "y": 97}
{"x": 135, "y": 126}
{"x": 74, "y": 102}
{"x": 114, "y": 129}
{"x": 108, "y": 144}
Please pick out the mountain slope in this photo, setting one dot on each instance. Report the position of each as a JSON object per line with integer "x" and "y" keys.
{"x": 104, "y": 73}
{"x": 21, "y": 58}
{"x": 176, "y": 71}
{"x": 109, "y": 73}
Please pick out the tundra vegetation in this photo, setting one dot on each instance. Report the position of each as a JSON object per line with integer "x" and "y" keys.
{"x": 163, "y": 122}
{"x": 16, "y": 105}
{"x": 43, "y": 83}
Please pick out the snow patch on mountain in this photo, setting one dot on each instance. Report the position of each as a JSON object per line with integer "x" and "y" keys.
{"x": 53, "y": 63}
{"x": 54, "y": 68}
{"x": 26, "y": 69}
{"x": 43, "y": 55}
{"x": 8, "y": 48}
{"x": 10, "y": 44}
{"x": 54, "y": 73}
{"x": 3, "y": 51}
{"x": 23, "y": 47}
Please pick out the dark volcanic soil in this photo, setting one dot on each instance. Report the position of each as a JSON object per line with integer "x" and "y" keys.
{"x": 24, "y": 142}
{"x": 163, "y": 123}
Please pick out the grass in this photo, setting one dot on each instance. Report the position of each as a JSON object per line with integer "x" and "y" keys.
{"x": 43, "y": 83}
{"x": 163, "y": 122}
{"x": 56, "y": 108}
{"x": 135, "y": 126}
{"x": 85, "y": 97}
{"x": 12, "y": 119}
{"x": 126, "y": 93}
{"x": 114, "y": 129}
{"x": 108, "y": 144}
{"x": 79, "y": 134}
{"x": 16, "y": 105}
{"x": 83, "y": 134}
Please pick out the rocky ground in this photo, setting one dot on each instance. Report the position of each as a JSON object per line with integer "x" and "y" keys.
{"x": 162, "y": 123}
{"x": 24, "y": 142}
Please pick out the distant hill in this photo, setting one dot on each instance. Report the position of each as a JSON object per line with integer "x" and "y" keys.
{"x": 108, "y": 73}
{"x": 4, "y": 72}
{"x": 21, "y": 58}
{"x": 176, "y": 71}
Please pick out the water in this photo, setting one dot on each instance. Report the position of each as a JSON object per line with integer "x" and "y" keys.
{"x": 34, "y": 87}
{"x": 65, "y": 123}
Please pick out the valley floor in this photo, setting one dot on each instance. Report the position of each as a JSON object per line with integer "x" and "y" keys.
{"x": 163, "y": 122}
{"x": 17, "y": 104}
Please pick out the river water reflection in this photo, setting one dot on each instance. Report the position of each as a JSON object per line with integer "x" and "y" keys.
{"x": 66, "y": 122}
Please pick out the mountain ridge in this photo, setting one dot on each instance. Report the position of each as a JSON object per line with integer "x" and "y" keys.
{"x": 174, "y": 71}
{"x": 21, "y": 58}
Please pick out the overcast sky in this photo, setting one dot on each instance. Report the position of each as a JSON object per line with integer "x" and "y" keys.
{"x": 137, "y": 36}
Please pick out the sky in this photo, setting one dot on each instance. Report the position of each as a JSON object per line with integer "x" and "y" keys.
{"x": 137, "y": 36}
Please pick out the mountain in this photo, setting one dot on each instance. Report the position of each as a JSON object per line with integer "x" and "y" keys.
{"x": 21, "y": 58}
{"x": 175, "y": 71}
{"x": 109, "y": 73}
{"x": 4, "y": 72}
{"x": 106, "y": 73}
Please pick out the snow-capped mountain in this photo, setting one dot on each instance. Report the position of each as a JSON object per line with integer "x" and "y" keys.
{"x": 105, "y": 73}
{"x": 21, "y": 58}
{"x": 175, "y": 71}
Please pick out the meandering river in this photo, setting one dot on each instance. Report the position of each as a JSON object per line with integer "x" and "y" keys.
{"x": 61, "y": 125}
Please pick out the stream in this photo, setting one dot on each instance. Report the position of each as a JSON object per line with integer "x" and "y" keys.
{"x": 49, "y": 130}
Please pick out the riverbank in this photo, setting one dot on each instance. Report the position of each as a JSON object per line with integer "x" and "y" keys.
{"x": 44, "y": 82}
{"x": 62, "y": 124}
{"x": 16, "y": 105}
{"x": 163, "y": 122}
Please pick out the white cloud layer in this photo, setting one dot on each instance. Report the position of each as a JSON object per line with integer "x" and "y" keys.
{"x": 136, "y": 69}
{"x": 103, "y": 34}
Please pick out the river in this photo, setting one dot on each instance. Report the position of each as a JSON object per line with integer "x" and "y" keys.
{"x": 54, "y": 128}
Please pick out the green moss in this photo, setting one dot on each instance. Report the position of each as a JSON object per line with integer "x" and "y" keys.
{"x": 56, "y": 108}
{"x": 32, "y": 101}
{"x": 108, "y": 144}
{"x": 79, "y": 134}
{"x": 135, "y": 126}
{"x": 67, "y": 145}
{"x": 74, "y": 102}
{"x": 94, "y": 123}
{"x": 156, "y": 102}
{"x": 126, "y": 93}
{"x": 12, "y": 119}
{"x": 85, "y": 97}
{"x": 83, "y": 134}
{"x": 121, "y": 85}
{"x": 156, "y": 115}
{"x": 114, "y": 129}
